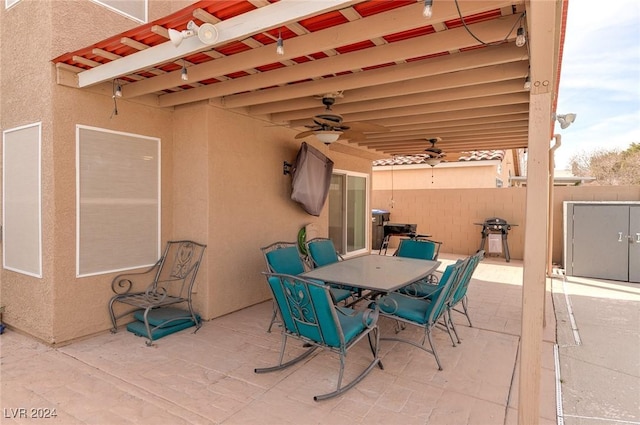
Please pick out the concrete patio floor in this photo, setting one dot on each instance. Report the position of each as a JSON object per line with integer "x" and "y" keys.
{"x": 208, "y": 378}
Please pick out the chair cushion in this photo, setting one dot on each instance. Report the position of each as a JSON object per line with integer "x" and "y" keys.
{"x": 340, "y": 294}
{"x": 159, "y": 316}
{"x": 420, "y": 289}
{"x": 285, "y": 260}
{"x": 281, "y": 300}
{"x": 323, "y": 253}
{"x": 424, "y": 250}
{"x": 408, "y": 308}
{"x": 139, "y": 329}
{"x": 351, "y": 323}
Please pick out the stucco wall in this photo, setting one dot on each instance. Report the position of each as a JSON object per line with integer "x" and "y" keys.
{"x": 60, "y": 307}
{"x": 449, "y": 214}
{"x": 231, "y": 193}
{"x": 222, "y": 180}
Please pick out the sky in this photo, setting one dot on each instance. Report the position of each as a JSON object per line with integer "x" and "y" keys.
{"x": 600, "y": 77}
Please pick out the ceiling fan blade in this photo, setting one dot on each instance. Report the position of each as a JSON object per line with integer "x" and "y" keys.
{"x": 352, "y": 135}
{"x": 365, "y": 127}
{"x": 304, "y": 134}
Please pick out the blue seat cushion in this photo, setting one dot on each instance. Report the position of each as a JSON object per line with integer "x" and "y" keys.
{"x": 139, "y": 329}
{"x": 351, "y": 323}
{"x": 340, "y": 294}
{"x": 170, "y": 315}
{"x": 408, "y": 308}
{"x": 420, "y": 289}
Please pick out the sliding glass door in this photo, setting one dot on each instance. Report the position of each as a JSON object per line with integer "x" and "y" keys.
{"x": 349, "y": 215}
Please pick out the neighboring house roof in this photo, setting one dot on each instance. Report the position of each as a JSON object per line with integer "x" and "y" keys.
{"x": 422, "y": 158}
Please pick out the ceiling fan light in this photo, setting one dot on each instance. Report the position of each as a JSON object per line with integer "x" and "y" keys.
{"x": 327, "y": 136}
{"x": 433, "y": 161}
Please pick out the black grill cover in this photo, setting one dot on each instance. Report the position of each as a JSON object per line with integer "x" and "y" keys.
{"x": 311, "y": 179}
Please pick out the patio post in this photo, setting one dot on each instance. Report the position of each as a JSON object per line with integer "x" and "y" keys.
{"x": 544, "y": 41}
{"x": 535, "y": 254}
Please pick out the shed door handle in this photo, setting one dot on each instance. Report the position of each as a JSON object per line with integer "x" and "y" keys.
{"x": 619, "y": 236}
{"x": 637, "y": 237}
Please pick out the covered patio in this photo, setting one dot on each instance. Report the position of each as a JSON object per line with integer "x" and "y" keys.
{"x": 208, "y": 377}
{"x": 232, "y": 101}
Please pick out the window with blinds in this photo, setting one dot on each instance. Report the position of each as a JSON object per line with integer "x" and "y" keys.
{"x": 118, "y": 200}
{"x": 21, "y": 191}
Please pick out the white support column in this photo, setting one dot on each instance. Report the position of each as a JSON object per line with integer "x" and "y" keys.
{"x": 544, "y": 19}
{"x": 535, "y": 254}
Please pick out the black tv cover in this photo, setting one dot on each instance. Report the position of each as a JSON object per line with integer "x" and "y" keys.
{"x": 311, "y": 179}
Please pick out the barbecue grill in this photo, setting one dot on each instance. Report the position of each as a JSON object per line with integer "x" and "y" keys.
{"x": 491, "y": 228}
{"x": 398, "y": 229}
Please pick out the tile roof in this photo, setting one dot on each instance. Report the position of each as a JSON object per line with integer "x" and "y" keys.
{"x": 422, "y": 158}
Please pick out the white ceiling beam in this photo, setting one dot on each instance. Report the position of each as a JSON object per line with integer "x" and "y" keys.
{"x": 471, "y": 77}
{"x": 247, "y": 24}
{"x": 466, "y": 123}
{"x": 324, "y": 40}
{"x": 435, "y": 66}
{"x": 521, "y": 134}
{"x": 439, "y": 107}
{"x": 418, "y": 46}
{"x": 448, "y": 116}
{"x": 410, "y": 100}
{"x": 454, "y": 131}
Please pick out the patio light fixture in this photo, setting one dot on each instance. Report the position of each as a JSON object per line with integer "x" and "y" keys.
{"x": 207, "y": 33}
{"x": 280, "y": 44}
{"x": 565, "y": 120}
{"x": 117, "y": 91}
{"x": 327, "y": 136}
{"x": 183, "y": 74}
{"x": 428, "y": 9}
{"x": 521, "y": 39}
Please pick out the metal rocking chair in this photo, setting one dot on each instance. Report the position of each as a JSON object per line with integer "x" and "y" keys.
{"x": 309, "y": 315}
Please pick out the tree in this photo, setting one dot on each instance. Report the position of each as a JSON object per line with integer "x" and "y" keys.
{"x": 609, "y": 167}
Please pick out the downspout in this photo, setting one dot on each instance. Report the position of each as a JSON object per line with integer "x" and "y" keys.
{"x": 552, "y": 151}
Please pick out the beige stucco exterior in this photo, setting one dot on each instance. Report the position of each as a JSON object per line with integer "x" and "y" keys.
{"x": 221, "y": 172}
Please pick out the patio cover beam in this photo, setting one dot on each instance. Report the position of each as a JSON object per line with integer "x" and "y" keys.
{"x": 453, "y": 105}
{"x": 470, "y": 60}
{"x": 467, "y": 78}
{"x": 411, "y": 100}
{"x": 341, "y": 35}
{"x": 247, "y": 24}
{"x": 457, "y": 38}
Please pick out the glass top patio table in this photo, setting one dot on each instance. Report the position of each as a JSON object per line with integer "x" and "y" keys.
{"x": 375, "y": 272}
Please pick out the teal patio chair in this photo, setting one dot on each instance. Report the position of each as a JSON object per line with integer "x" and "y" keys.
{"x": 422, "y": 249}
{"x": 284, "y": 257}
{"x": 424, "y": 313}
{"x": 322, "y": 252}
{"x": 459, "y": 297}
{"x": 309, "y": 314}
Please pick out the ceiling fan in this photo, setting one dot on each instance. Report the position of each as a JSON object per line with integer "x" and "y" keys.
{"x": 328, "y": 126}
{"x": 435, "y": 155}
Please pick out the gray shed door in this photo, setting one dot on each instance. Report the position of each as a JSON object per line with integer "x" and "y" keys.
{"x": 600, "y": 243}
{"x": 634, "y": 244}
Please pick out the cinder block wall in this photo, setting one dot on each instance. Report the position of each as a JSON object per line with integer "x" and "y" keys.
{"x": 449, "y": 214}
